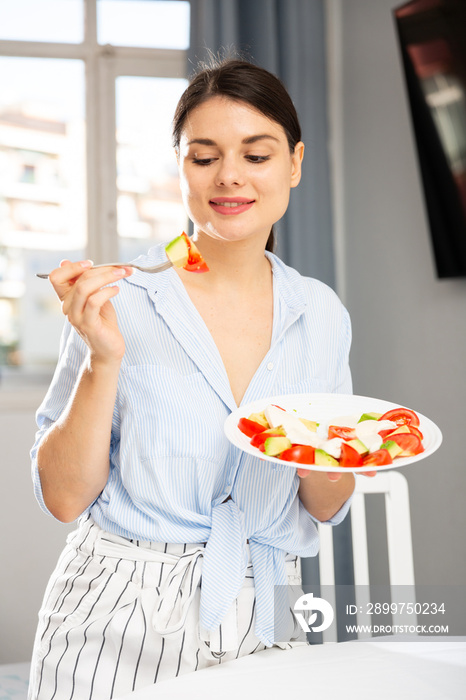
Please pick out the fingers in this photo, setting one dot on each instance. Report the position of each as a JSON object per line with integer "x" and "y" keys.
{"x": 89, "y": 314}
{"x": 84, "y": 291}
{"x": 81, "y": 290}
{"x": 63, "y": 276}
{"x": 332, "y": 476}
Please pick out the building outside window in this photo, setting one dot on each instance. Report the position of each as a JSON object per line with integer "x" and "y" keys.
{"x": 87, "y": 92}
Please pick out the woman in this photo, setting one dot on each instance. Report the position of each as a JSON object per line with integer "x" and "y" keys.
{"x": 131, "y": 431}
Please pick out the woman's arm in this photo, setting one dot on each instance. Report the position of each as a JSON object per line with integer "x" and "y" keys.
{"x": 323, "y": 494}
{"x": 73, "y": 457}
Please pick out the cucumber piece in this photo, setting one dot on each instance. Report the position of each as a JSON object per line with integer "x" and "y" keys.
{"x": 393, "y": 448}
{"x": 259, "y": 418}
{"x": 273, "y": 446}
{"x": 370, "y": 416}
{"x": 402, "y": 429}
{"x": 177, "y": 251}
{"x": 358, "y": 446}
{"x": 323, "y": 459}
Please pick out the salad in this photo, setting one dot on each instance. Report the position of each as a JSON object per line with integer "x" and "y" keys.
{"x": 182, "y": 252}
{"x": 367, "y": 439}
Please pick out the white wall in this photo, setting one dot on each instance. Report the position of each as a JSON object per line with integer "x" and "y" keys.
{"x": 30, "y": 541}
{"x": 409, "y": 327}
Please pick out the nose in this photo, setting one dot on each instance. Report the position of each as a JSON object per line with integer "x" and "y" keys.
{"x": 229, "y": 173}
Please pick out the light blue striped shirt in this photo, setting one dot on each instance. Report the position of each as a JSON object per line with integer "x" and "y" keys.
{"x": 171, "y": 466}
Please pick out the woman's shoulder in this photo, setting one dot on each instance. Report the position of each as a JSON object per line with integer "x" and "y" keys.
{"x": 299, "y": 286}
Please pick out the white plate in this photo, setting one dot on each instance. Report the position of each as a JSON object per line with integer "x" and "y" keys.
{"x": 323, "y": 408}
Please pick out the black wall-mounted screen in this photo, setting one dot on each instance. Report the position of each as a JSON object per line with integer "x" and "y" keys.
{"x": 432, "y": 39}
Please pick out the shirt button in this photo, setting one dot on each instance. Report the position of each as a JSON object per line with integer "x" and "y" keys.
{"x": 270, "y": 366}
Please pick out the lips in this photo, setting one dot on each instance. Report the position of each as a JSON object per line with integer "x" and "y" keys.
{"x": 231, "y": 205}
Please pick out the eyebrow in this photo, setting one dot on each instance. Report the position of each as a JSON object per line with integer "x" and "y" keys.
{"x": 247, "y": 140}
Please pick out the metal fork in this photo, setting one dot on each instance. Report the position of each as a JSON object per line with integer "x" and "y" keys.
{"x": 154, "y": 268}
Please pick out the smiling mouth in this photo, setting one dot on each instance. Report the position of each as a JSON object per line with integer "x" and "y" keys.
{"x": 231, "y": 204}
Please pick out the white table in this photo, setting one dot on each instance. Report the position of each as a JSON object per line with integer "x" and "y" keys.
{"x": 427, "y": 669}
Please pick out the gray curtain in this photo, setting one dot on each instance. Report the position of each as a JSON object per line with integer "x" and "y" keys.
{"x": 286, "y": 37}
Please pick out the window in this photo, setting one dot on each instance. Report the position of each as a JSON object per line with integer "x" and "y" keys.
{"x": 86, "y": 165}
{"x": 159, "y": 24}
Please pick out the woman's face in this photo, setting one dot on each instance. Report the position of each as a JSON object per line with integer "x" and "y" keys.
{"x": 236, "y": 170}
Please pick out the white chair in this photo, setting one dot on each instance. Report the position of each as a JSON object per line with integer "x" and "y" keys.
{"x": 400, "y": 553}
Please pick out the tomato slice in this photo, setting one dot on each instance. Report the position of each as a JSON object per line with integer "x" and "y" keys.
{"x": 196, "y": 262}
{"x": 304, "y": 454}
{"x": 350, "y": 457}
{"x": 377, "y": 458}
{"x": 250, "y": 427}
{"x": 337, "y": 431}
{"x": 410, "y": 444}
{"x": 401, "y": 416}
{"x": 259, "y": 439}
{"x": 416, "y": 431}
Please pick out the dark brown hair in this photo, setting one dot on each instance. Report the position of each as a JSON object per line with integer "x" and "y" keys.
{"x": 243, "y": 81}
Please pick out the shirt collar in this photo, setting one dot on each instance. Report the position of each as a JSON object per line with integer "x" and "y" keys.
{"x": 155, "y": 283}
{"x": 289, "y": 283}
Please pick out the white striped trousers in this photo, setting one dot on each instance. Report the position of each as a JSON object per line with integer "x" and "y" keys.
{"x": 119, "y": 615}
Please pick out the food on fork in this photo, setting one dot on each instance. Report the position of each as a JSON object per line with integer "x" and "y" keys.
{"x": 370, "y": 439}
{"x": 182, "y": 252}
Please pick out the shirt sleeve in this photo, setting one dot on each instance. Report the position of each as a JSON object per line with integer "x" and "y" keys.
{"x": 72, "y": 354}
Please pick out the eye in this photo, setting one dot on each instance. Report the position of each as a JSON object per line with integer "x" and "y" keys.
{"x": 203, "y": 161}
{"x": 257, "y": 159}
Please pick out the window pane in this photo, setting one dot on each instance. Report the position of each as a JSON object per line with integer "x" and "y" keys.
{"x": 42, "y": 200}
{"x": 44, "y": 20}
{"x": 149, "y": 206}
{"x": 162, "y": 24}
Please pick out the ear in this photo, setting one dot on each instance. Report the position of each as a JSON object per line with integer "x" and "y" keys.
{"x": 296, "y": 161}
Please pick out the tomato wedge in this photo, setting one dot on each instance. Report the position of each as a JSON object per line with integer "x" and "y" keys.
{"x": 410, "y": 444}
{"x": 259, "y": 439}
{"x": 250, "y": 427}
{"x": 337, "y": 431}
{"x": 196, "y": 262}
{"x": 304, "y": 454}
{"x": 401, "y": 416}
{"x": 349, "y": 457}
{"x": 377, "y": 458}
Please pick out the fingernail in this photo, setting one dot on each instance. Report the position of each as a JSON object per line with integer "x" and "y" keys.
{"x": 86, "y": 263}
{"x": 119, "y": 271}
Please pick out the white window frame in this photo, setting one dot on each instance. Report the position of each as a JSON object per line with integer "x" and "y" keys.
{"x": 103, "y": 64}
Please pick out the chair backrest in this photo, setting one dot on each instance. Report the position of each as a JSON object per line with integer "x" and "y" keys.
{"x": 394, "y": 486}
